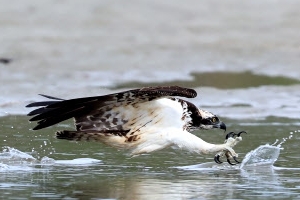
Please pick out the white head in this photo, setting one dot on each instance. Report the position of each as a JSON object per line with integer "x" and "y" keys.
{"x": 202, "y": 119}
{"x": 210, "y": 121}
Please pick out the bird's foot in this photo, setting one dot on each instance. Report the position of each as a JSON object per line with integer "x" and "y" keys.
{"x": 231, "y": 140}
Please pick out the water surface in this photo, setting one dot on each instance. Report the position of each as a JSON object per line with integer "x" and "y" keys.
{"x": 42, "y": 166}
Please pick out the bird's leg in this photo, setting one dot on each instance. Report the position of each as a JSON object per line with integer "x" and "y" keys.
{"x": 230, "y": 141}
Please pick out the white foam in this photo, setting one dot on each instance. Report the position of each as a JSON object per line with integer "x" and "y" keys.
{"x": 78, "y": 161}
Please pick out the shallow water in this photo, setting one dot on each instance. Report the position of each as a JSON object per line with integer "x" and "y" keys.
{"x": 241, "y": 57}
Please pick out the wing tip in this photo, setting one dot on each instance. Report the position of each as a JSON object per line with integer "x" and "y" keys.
{"x": 36, "y": 127}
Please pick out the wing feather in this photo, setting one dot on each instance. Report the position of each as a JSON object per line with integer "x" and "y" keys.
{"x": 90, "y": 112}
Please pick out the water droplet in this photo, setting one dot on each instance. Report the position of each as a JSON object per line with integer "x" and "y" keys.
{"x": 276, "y": 141}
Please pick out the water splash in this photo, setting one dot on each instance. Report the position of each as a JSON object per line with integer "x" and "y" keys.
{"x": 12, "y": 159}
{"x": 264, "y": 155}
{"x": 44, "y": 149}
{"x": 285, "y": 139}
{"x": 11, "y": 155}
{"x": 78, "y": 161}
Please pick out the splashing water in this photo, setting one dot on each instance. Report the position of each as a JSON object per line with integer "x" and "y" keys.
{"x": 12, "y": 159}
{"x": 13, "y": 156}
{"x": 285, "y": 139}
{"x": 263, "y": 156}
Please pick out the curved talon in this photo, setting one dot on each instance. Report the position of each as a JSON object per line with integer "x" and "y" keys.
{"x": 230, "y": 162}
{"x": 239, "y": 134}
{"x": 217, "y": 159}
{"x": 231, "y": 134}
{"x": 234, "y": 158}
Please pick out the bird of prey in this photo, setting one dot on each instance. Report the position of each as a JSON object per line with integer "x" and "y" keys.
{"x": 140, "y": 120}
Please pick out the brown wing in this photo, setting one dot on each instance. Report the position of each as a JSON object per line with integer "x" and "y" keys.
{"x": 96, "y": 112}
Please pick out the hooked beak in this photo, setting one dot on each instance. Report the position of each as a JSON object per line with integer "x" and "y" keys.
{"x": 221, "y": 125}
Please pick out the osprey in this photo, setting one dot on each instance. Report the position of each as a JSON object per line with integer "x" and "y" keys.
{"x": 141, "y": 120}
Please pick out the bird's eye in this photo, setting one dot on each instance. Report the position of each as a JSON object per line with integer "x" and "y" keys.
{"x": 214, "y": 119}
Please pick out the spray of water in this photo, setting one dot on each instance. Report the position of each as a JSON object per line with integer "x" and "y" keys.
{"x": 265, "y": 155}
{"x": 284, "y": 139}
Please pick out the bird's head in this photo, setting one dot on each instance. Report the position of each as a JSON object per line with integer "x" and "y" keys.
{"x": 210, "y": 121}
{"x": 206, "y": 120}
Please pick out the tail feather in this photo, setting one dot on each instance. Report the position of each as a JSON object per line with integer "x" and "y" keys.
{"x": 78, "y": 135}
{"x": 117, "y": 141}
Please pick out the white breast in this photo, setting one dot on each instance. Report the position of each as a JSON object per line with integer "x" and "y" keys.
{"x": 153, "y": 122}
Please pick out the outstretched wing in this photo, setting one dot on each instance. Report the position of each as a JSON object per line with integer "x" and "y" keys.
{"x": 100, "y": 113}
